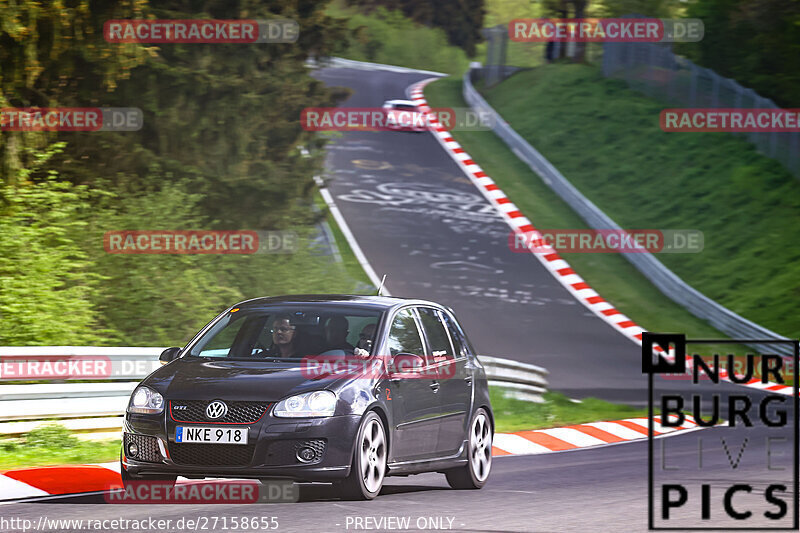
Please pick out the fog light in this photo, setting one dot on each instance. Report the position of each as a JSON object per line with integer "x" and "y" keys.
{"x": 306, "y": 455}
{"x": 133, "y": 449}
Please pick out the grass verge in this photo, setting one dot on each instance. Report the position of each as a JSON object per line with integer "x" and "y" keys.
{"x": 349, "y": 261}
{"x": 609, "y": 274}
{"x": 53, "y": 444}
{"x": 389, "y": 37}
{"x": 606, "y": 139}
{"x": 556, "y": 411}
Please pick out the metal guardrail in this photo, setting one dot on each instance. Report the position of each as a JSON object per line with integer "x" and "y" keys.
{"x": 663, "y": 278}
{"x": 95, "y": 406}
{"x": 67, "y": 400}
{"x": 72, "y": 401}
{"x": 523, "y": 381}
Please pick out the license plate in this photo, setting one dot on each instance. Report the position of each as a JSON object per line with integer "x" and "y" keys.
{"x": 211, "y": 435}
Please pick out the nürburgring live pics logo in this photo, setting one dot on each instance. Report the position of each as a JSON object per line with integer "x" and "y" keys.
{"x": 742, "y": 472}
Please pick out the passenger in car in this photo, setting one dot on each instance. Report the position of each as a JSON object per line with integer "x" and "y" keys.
{"x": 336, "y": 330}
{"x": 365, "y": 340}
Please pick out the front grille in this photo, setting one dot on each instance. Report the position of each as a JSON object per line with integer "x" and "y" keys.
{"x": 284, "y": 452}
{"x": 212, "y": 454}
{"x": 148, "y": 448}
{"x": 238, "y": 412}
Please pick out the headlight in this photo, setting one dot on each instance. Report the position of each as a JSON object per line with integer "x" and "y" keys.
{"x": 146, "y": 401}
{"x": 317, "y": 403}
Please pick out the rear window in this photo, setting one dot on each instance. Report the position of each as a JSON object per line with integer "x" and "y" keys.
{"x": 461, "y": 344}
{"x": 437, "y": 335}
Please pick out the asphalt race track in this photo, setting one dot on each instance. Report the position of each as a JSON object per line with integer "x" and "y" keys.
{"x": 419, "y": 220}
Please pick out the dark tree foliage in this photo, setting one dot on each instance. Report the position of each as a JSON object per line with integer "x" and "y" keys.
{"x": 461, "y": 20}
{"x": 219, "y": 149}
{"x": 55, "y": 55}
{"x": 755, "y": 42}
{"x": 225, "y": 116}
{"x": 568, "y": 9}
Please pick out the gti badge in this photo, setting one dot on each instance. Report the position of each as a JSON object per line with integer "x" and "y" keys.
{"x": 216, "y": 409}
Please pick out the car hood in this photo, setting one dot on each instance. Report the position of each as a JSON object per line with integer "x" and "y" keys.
{"x": 190, "y": 378}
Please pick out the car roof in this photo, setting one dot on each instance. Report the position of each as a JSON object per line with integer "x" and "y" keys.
{"x": 381, "y": 303}
{"x": 403, "y": 102}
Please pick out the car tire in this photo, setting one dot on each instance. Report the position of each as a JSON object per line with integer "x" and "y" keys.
{"x": 368, "y": 468}
{"x": 129, "y": 479}
{"x": 474, "y": 474}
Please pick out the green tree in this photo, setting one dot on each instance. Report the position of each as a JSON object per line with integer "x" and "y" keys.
{"x": 649, "y": 8}
{"x": 154, "y": 299}
{"x": 756, "y": 42}
{"x": 47, "y": 283}
{"x": 384, "y": 36}
{"x": 223, "y": 116}
{"x": 219, "y": 149}
{"x": 54, "y": 54}
{"x": 462, "y": 20}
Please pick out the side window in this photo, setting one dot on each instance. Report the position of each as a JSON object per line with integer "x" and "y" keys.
{"x": 404, "y": 336}
{"x": 459, "y": 341}
{"x": 437, "y": 336}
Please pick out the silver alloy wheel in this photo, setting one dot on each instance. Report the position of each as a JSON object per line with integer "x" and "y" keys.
{"x": 480, "y": 447}
{"x": 373, "y": 456}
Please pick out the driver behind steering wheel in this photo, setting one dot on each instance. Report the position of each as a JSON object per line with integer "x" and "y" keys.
{"x": 284, "y": 338}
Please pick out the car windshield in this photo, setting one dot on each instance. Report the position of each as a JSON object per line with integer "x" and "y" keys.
{"x": 288, "y": 333}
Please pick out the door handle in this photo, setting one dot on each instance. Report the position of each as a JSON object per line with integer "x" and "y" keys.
{"x": 468, "y": 379}
{"x": 435, "y": 386}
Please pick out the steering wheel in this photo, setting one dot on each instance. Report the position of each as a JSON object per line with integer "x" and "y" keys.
{"x": 258, "y": 350}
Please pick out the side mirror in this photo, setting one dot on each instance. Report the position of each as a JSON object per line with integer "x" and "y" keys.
{"x": 404, "y": 363}
{"x": 169, "y": 355}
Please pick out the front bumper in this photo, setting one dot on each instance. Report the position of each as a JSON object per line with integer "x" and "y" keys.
{"x": 271, "y": 451}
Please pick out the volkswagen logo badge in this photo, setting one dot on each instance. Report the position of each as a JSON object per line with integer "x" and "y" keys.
{"x": 216, "y": 409}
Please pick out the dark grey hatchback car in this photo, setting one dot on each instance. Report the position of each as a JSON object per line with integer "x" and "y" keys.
{"x": 335, "y": 388}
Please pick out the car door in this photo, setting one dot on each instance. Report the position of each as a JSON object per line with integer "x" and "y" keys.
{"x": 455, "y": 381}
{"x": 414, "y": 396}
